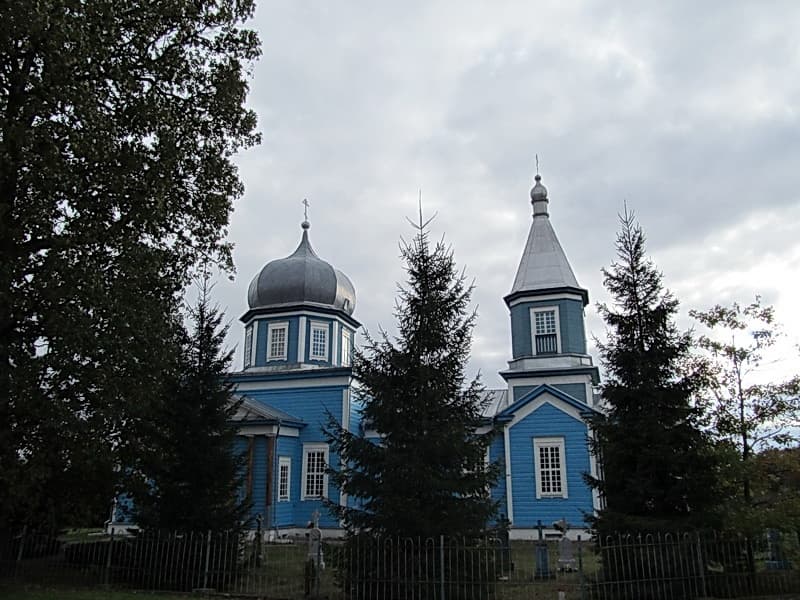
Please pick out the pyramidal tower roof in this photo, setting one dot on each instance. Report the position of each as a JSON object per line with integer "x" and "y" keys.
{"x": 544, "y": 267}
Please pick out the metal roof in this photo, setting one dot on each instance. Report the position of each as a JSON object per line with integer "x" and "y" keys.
{"x": 544, "y": 264}
{"x": 255, "y": 410}
{"x": 494, "y": 402}
{"x": 300, "y": 278}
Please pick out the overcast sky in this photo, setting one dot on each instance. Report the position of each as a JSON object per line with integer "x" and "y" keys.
{"x": 689, "y": 111}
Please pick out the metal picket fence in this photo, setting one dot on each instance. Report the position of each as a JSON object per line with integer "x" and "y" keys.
{"x": 649, "y": 567}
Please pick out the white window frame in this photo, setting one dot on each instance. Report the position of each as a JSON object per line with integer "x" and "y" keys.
{"x": 346, "y": 343}
{"x": 271, "y": 329}
{"x": 284, "y": 495}
{"x": 324, "y": 327}
{"x": 543, "y": 309}
{"x": 550, "y": 442}
{"x": 248, "y": 346}
{"x": 308, "y": 449}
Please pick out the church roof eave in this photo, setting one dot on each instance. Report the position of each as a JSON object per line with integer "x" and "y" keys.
{"x": 298, "y": 307}
{"x": 579, "y": 291}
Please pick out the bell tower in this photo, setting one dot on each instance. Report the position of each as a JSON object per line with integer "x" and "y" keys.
{"x": 546, "y": 304}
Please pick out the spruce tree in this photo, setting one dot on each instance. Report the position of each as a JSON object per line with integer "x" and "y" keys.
{"x": 189, "y": 478}
{"x": 658, "y": 465}
{"x": 426, "y": 474}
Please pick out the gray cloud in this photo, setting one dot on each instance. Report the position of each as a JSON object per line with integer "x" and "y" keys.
{"x": 687, "y": 111}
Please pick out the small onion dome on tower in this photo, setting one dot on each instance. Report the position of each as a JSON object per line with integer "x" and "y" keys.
{"x": 302, "y": 278}
{"x": 539, "y": 197}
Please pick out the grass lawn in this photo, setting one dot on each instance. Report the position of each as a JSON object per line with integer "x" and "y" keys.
{"x": 32, "y": 592}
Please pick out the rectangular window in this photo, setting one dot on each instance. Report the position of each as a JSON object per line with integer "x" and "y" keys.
{"x": 248, "y": 345}
{"x": 277, "y": 334}
{"x": 545, "y": 331}
{"x": 284, "y": 478}
{"x": 345, "y": 348}
{"x": 315, "y": 480}
{"x": 319, "y": 341}
{"x": 551, "y": 481}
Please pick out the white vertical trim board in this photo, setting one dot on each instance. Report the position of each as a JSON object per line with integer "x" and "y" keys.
{"x": 346, "y": 409}
{"x": 346, "y": 344}
{"x": 335, "y": 344}
{"x": 301, "y": 340}
{"x": 593, "y": 471}
{"x": 509, "y": 492}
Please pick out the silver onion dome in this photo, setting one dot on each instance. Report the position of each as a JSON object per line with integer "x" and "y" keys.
{"x": 302, "y": 278}
{"x": 538, "y": 192}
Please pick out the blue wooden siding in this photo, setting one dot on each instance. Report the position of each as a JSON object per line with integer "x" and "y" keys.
{"x": 260, "y": 358}
{"x": 285, "y": 512}
{"x": 572, "y": 331}
{"x": 549, "y": 421}
{"x": 311, "y": 405}
{"x": 355, "y": 412}
{"x": 258, "y": 477}
{"x": 497, "y": 455}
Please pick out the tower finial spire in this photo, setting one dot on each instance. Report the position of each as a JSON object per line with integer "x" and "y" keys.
{"x": 537, "y": 164}
{"x": 305, "y": 224}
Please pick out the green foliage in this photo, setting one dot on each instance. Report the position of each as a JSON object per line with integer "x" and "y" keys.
{"x": 427, "y": 474}
{"x": 774, "y": 476}
{"x": 118, "y": 121}
{"x": 659, "y": 468}
{"x": 188, "y": 477}
{"x": 750, "y": 415}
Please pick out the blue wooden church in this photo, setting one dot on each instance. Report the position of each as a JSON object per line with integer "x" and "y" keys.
{"x": 299, "y": 333}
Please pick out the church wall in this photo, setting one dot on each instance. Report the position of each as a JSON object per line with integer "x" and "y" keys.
{"x": 311, "y": 405}
{"x": 256, "y": 483}
{"x": 549, "y": 421}
{"x": 285, "y": 510}
{"x": 497, "y": 455}
{"x": 571, "y": 327}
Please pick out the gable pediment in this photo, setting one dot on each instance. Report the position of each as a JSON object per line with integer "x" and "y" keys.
{"x": 544, "y": 395}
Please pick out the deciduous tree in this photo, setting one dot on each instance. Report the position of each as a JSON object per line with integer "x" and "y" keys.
{"x": 118, "y": 121}
{"x": 751, "y": 414}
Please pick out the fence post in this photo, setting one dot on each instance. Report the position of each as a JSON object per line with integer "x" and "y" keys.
{"x": 20, "y": 552}
{"x": 441, "y": 567}
{"x": 581, "y": 579}
{"x": 208, "y": 558}
{"x": 107, "y": 577}
{"x": 701, "y": 565}
{"x": 22, "y": 543}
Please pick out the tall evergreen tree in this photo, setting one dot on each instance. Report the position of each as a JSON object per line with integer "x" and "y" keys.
{"x": 427, "y": 474}
{"x": 189, "y": 477}
{"x": 658, "y": 465}
{"x": 118, "y": 123}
